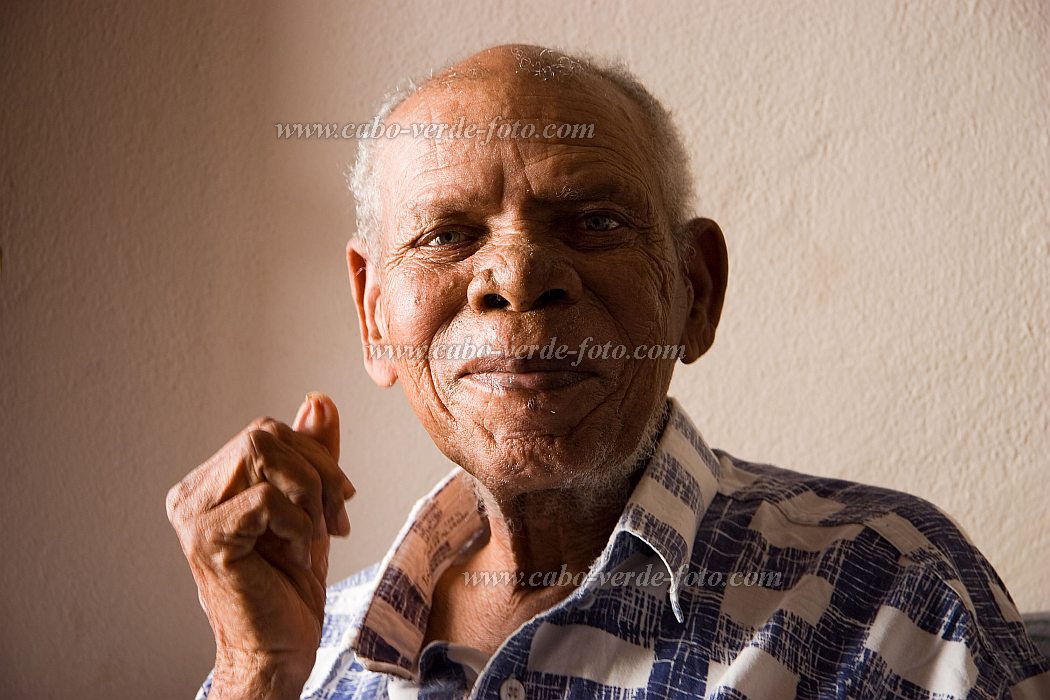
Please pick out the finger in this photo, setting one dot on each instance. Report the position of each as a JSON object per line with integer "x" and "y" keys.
{"x": 218, "y": 479}
{"x": 231, "y": 470}
{"x": 231, "y": 530}
{"x": 255, "y": 455}
{"x": 287, "y": 556}
{"x": 319, "y": 554}
{"x": 336, "y": 487}
{"x": 309, "y": 581}
{"x": 317, "y": 423}
{"x": 276, "y": 462}
{"x": 319, "y": 418}
{"x": 334, "y": 477}
{"x": 280, "y": 554}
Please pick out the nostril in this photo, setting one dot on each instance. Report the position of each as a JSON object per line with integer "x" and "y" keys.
{"x": 495, "y": 301}
{"x": 551, "y": 296}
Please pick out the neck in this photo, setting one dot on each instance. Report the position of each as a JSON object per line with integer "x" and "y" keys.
{"x": 542, "y": 532}
{"x": 566, "y": 529}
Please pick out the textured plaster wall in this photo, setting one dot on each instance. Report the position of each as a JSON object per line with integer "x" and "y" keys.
{"x": 170, "y": 270}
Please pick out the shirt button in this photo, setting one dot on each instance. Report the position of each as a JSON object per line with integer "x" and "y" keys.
{"x": 512, "y": 689}
{"x": 586, "y": 602}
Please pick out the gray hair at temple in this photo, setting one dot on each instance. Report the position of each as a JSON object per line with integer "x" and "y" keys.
{"x": 666, "y": 146}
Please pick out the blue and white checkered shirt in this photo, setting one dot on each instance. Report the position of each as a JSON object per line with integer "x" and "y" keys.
{"x": 736, "y": 580}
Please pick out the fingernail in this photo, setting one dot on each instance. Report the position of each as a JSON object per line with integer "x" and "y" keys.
{"x": 311, "y": 409}
{"x": 305, "y": 409}
{"x": 343, "y": 522}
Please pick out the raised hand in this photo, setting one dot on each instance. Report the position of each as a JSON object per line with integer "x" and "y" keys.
{"x": 254, "y": 522}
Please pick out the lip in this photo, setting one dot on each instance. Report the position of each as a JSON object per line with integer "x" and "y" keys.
{"x": 502, "y": 372}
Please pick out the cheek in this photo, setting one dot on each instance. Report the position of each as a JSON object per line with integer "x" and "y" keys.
{"x": 418, "y": 303}
{"x": 640, "y": 294}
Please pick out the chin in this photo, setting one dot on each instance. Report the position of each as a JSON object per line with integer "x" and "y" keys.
{"x": 529, "y": 439}
{"x": 513, "y": 461}
{"x": 543, "y": 415}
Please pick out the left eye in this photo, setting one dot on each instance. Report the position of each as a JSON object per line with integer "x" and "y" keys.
{"x": 600, "y": 222}
{"x": 446, "y": 237}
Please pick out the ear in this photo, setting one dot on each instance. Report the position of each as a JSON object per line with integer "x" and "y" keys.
{"x": 364, "y": 283}
{"x": 706, "y": 269}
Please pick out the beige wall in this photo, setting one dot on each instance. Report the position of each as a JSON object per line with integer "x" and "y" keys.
{"x": 171, "y": 269}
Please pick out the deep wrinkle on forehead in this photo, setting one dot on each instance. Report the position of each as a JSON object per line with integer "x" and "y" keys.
{"x": 510, "y": 179}
{"x": 618, "y": 147}
{"x": 564, "y": 186}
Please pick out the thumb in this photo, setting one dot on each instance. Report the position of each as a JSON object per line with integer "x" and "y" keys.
{"x": 319, "y": 418}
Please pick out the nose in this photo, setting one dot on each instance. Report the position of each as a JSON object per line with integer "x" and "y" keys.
{"x": 522, "y": 276}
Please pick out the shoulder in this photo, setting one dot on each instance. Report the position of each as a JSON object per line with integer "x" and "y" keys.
{"x": 897, "y": 567}
{"x": 911, "y": 525}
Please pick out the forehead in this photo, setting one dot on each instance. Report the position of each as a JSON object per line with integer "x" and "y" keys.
{"x": 610, "y": 150}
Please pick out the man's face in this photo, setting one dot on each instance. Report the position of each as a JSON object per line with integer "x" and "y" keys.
{"x": 513, "y": 243}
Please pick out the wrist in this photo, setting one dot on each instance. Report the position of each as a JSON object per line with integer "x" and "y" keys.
{"x": 249, "y": 675}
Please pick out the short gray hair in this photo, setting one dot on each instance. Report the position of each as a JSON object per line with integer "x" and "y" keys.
{"x": 667, "y": 147}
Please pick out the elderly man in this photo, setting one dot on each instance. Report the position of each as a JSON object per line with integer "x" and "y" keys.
{"x": 589, "y": 543}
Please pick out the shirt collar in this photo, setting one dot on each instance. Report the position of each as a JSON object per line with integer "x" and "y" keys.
{"x": 663, "y": 511}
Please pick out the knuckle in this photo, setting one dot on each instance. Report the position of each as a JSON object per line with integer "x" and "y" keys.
{"x": 246, "y": 446}
{"x": 220, "y": 558}
{"x": 258, "y": 444}
{"x": 194, "y": 538}
{"x": 174, "y": 500}
{"x": 258, "y": 497}
{"x": 257, "y": 421}
{"x": 266, "y": 424}
{"x": 305, "y": 498}
{"x": 260, "y": 439}
{"x": 197, "y": 535}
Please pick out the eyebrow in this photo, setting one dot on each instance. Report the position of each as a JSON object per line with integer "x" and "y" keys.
{"x": 442, "y": 205}
{"x": 598, "y": 190}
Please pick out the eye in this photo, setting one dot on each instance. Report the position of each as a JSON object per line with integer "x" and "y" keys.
{"x": 600, "y": 222}
{"x": 444, "y": 237}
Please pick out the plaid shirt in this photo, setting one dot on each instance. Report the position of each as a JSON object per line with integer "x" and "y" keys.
{"x": 854, "y": 591}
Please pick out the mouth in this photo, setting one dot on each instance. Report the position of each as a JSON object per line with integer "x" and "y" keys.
{"x": 501, "y": 373}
